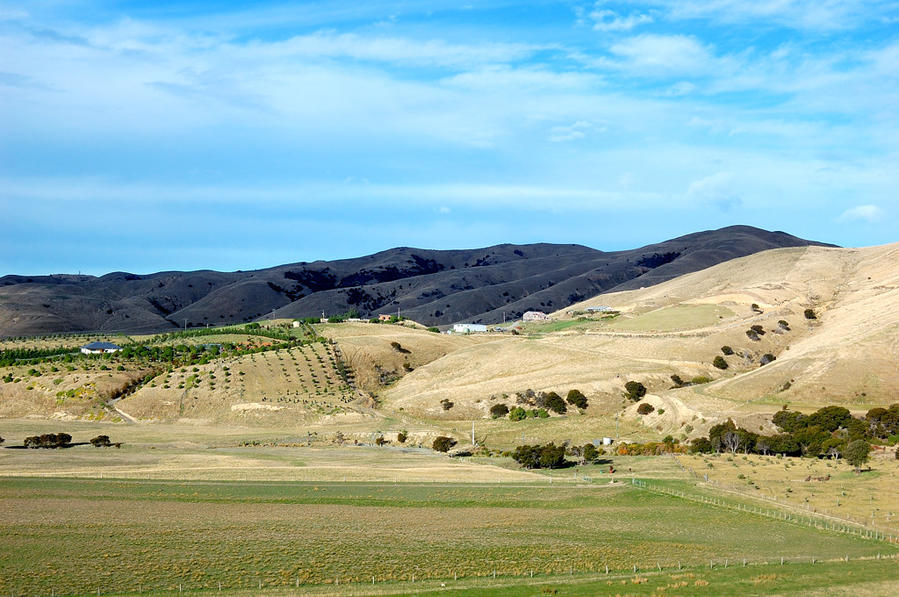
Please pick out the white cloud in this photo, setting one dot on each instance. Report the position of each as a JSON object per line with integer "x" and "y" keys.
{"x": 716, "y": 190}
{"x": 862, "y": 213}
{"x": 665, "y": 55}
{"x": 814, "y": 15}
{"x": 609, "y": 20}
{"x": 572, "y": 132}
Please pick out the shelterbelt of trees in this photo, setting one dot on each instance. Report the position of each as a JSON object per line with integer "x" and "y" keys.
{"x": 828, "y": 431}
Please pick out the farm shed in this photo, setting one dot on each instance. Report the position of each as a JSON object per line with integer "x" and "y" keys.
{"x": 100, "y": 348}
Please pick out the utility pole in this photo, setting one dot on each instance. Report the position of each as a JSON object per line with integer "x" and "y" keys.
{"x": 185, "y": 325}
{"x": 472, "y": 433}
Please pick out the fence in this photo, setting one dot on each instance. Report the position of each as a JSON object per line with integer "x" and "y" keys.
{"x": 818, "y": 522}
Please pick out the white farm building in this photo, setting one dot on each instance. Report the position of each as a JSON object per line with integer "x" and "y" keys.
{"x": 100, "y": 348}
{"x": 534, "y": 316}
{"x": 468, "y": 328}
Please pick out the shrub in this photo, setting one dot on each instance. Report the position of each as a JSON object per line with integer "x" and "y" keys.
{"x": 678, "y": 382}
{"x": 101, "y": 441}
{"x": 554, "y": 402}
{"x": 446, "y": 404}
{"x": 700, "y": 379}
{"x": 784, "y": 325}
{"x": 499, "y": 410}
{"x": 757, "y": 329}
{"x": 635, "y": 390}
{"x": 546, "y": 456}
{"x": 402, "y": 436}
{"x": 542, "y": 414}
{"x": 727, "y": 350}
{"x": 752, "y": 335}
{"x": 719, "y": 362}
{"x": 380, "y": 441}
{"x": 755, "y": 307}
{"x": 576, "y": 398}
{"x": 810, "y": 314}
{"x": 767, "y": 358}
{"x": 517, "y": 414}
{"x": 590, "y": 453}
{"x": 645, "y": 408}
{"x": 443, "y": 443}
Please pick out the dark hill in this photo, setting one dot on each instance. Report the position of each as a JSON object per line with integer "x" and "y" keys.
{"x": 429, "y": 286}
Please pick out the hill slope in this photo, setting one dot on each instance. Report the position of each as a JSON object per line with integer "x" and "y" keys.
{"x": 433, "y": 287}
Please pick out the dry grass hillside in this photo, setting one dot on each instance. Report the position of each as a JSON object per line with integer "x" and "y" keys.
{"x": 847, "y": 355}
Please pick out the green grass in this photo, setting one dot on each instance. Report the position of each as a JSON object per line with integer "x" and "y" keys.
{"x": 75, "y": 535}
{"x": 677, "y": 317}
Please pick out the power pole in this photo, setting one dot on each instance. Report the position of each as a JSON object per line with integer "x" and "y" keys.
{"x": 472, "y": 433}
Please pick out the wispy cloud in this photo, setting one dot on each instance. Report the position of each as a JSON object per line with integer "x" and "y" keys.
{"x": 863, "y": 213}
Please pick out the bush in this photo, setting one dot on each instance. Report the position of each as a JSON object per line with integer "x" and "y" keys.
{"x": 678, "y": 382}
{"x": 767, "y": 358}
{"x": 576, "y": 398}
{"x": 727, "y": 350}
{"x": 402, "y": 436}
{"x": 499, "y": 410}
{"x": 517, "y": 414}
{"x": 755, "y": 307}
{"x": 719, "y": 362}
{"x": 752, "y": 335}
{"x": 757, "y": 329}
{"x": 542, "y": 414}
{"x": 590, "y": 453}
{"x": 101, "y": 441}
{"x": 554, "y": 402}
{"x": 635, "y": 390}
{"x": 547, "y": 456}
{"x": 810, "y": 314}
{"x": 443, "y": 443}
{"x": 700, "y": 379}
{"x": 380, "y": 441}
{"x": 857, "y": 453}
{"x": 645, "y": 408}
{"x": 446, "y": 404}
{"x": 784, "y": 325}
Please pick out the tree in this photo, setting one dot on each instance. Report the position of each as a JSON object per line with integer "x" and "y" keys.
{"x": 732, "y": 441}
{"x": 590, "y": 453}
{"x": 546, "y": 456}
{"x": 443, "y": 443}
{"x": 727, "y": 350}
{"x": 101, "y": 441}
{"x": 402, "y": 436}
{"x": 830, "y": 418}
{"x": 499, "y": 410}
{"x": 635, "y": 390}
{"x": 719, "y": 362}
{"x": 554, "y": 402}
{"x": 576, "y": 398}
{"x": 446, "y": 404}
{"x": 678, "y": 382}
{"x": 810, "y": 314}
{"x": 856, "y": 453}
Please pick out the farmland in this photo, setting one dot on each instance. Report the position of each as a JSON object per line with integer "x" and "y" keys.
{"x": 246, "y": 534}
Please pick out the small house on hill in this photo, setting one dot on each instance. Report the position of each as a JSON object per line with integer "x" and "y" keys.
{"x": 100, "y": 348}
{"x": 384, "y": 317}
{"x": 534, "y": 316}
{"x": 599, "y": 309}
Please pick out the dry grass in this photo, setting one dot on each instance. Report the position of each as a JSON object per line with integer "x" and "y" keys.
{"x": 870, "y": 497}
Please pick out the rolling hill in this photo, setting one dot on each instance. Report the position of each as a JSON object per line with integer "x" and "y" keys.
{"x": 432, "y": 287}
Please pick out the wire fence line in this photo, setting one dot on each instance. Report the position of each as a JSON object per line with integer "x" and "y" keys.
{"x": 806, "y": 511}
{"x": 358, "y": 581}
{"x": 818, "y": 522}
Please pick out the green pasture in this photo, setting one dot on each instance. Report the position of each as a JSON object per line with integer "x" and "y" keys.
{"x": 75, "y": 536}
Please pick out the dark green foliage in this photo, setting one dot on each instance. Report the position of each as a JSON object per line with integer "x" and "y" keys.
{"x": 546, "y": 456}
{"x": 101, "y": 441}
{"x": 554, "y": 402}
{"x": 700, "y": 379}
{"x": 645, "y": 408}
{"x": 443, "y": 443}
{"x": 48, "y": 440}
{"x": 767, "y": 358}
{"x": 447, "y": 404}
{"x": 727, "y": 350}
{"x": 402, "y": 436}
{"x": 789, "y": 420}
{"x": 857, "y": 453}
{"x": 883, "y": 422}
{"x": 678, "y": 382}
{"x": 380, "y": 441}
{"x": 701, "y": 445}
{"x": 784, "y": 325}
{"x": 752, "y": 335}
{"x": 399, "y": 348}
{"x": 719, "y": 362}
{"x": 590, "y": 453}
{"x": 758, "y": 329}
{"x": 810, "y": 314}
{"x": 433, "y": 329}
{"x": 499, "y": 410}
{"x": 576, "y": 398}
{"x": 830, "y": 418}
{"x": 635, "y": 390}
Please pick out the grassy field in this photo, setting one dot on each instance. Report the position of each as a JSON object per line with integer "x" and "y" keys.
{"x": 74, "y": 536}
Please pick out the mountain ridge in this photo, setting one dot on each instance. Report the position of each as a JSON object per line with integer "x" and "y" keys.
{"x": 435, "y": 287}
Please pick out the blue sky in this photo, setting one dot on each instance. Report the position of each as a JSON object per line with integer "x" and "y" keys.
{"x": 146, "y": 136}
